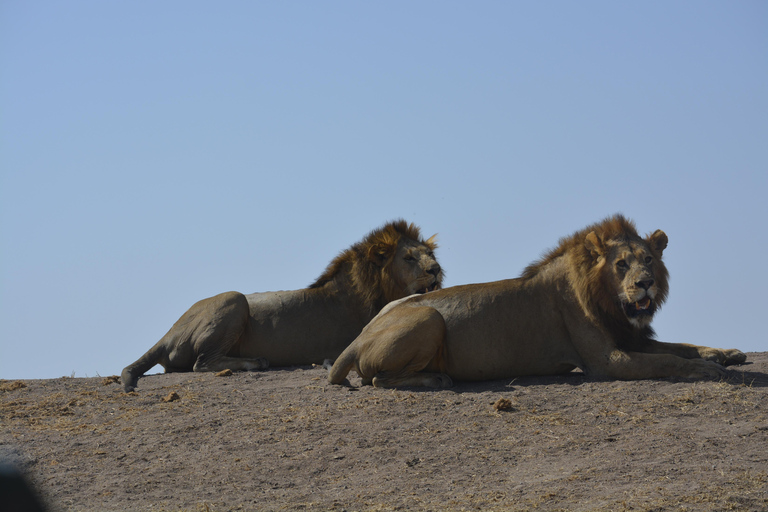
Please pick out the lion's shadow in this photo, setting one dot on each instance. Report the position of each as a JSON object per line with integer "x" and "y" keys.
{"x": 735, "y": 375}
{"x": 743, "y": 377}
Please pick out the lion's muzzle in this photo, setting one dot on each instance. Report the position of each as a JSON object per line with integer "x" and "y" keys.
{"x": 639, "y": 308}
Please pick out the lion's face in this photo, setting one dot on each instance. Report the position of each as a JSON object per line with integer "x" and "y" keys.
{"x": 638, "y": 276}
{"x": 631, "y": 267}
{"x": 414, "y": 268}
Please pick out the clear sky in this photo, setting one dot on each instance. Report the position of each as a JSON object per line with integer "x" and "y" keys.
{"x": 156, "y": 153}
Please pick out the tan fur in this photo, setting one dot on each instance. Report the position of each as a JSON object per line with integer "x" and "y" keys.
{"x": 586, "y": 304}
{"x": 250, "y": 332}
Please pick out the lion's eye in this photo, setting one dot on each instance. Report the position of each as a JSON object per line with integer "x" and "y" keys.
{"x": 622, "y": 264}
{"x": 648, "y": 260}
{"x": 409, "y": 257}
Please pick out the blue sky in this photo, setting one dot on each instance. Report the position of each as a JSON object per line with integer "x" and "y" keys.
{"x": 156, "y": 153}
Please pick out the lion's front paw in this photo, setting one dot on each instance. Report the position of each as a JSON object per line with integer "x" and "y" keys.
{"x": 706, "y": 370}
{"x": 724, "y": 357}
{"x": 733, "y": 356}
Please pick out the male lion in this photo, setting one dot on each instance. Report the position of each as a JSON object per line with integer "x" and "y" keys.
{"x": 250, "y": 332}
{"x": 587, "y": 304}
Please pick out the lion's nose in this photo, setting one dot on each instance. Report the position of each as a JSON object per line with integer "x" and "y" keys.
{"x": 434, "y": 269}
{"x": 644, "y": 284}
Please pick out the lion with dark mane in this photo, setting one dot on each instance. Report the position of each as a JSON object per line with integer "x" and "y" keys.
{"x": 250, "y": 332}
{"x": 587, "y": 304}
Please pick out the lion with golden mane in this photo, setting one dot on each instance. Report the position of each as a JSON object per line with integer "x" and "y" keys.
{"x": 586, "y": 304}
{"x": 250, "y": 332}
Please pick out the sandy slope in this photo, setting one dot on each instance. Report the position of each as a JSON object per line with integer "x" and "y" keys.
{"x": 285, "y": 439}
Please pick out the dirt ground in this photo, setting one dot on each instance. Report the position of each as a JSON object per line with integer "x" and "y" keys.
{"x": 286, "y": 439}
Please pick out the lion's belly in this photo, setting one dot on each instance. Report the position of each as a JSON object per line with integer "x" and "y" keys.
{"x": 507, "y": 341}
{"x": 483, "y": 358}
{"x": 295, "y": 328}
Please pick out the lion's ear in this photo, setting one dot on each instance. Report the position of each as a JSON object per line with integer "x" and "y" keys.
{"x": 658, "y": 241}
{"x": 375, "y": 255}
{"x": 380, "y": 253}
{"x": 594, "y": 245}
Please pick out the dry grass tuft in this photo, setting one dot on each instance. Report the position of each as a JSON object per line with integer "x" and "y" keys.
{"x": 503, "y": 404}
{"x": 172, "y": 397}
{"x": 11, "y": 386}
{"x": 114, "y": 379}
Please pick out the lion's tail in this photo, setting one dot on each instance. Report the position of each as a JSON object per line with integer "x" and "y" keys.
{"x": 132, "y": 372}
{"x": 344, "y": 363}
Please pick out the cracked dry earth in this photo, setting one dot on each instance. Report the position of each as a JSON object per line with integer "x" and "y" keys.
{"x": 285, "y": 439}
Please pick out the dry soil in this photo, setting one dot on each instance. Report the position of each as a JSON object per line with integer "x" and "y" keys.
{"x": 285, "y": 439}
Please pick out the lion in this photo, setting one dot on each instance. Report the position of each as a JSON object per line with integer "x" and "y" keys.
{"x": 586, "y": 304}
{"x": 285, "y": 328}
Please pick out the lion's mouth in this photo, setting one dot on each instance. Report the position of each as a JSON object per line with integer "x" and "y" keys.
{"x": 641, "y": 307}
{"x": 432, "y": 287}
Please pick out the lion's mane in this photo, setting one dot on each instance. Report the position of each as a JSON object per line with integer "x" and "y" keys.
{"x": 357, "y": 265}
{"x": 589, "y": 277}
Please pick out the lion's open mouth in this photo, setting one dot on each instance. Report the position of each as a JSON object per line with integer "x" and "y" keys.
{"x": 641, "y": 307}
{"x": 432, "y": 287}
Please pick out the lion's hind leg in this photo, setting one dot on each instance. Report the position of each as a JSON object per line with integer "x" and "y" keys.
{"x": 200, "y": 340}
{"x": 405, "y": 347}
{"x": 217, "y": 335}
{"x": 131, "y": 373}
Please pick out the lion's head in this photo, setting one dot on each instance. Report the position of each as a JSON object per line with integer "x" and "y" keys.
{"x": 630, "y": 269}
{"x": 618, "y": 276}
{"x": 625, "y": 280}
{"x": 391, "y": 262}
